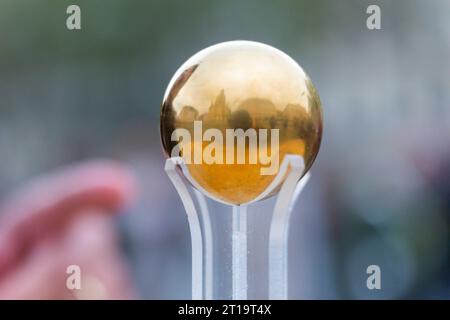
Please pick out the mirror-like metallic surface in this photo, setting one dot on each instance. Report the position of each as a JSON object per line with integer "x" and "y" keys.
{"x": 240, "y": 85}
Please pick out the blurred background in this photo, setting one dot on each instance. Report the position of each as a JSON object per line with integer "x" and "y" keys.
{"x": 380, "y": 187}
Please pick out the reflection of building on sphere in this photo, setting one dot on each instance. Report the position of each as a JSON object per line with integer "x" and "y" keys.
{"x": 218, "y": 113}
{"x": 242, "y": 85}
{"x": 188, "y": 115}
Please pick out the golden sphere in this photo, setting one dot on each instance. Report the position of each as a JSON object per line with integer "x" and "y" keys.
{"x": 240, "y": 85}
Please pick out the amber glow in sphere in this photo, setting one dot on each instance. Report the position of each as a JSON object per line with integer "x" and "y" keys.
{"x": 240, "y": 85}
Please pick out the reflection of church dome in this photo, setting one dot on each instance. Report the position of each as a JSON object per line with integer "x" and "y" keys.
{"x": 188, "y": 114}
{"x": 262, "y": 112}
{"x": 258, "y": 106}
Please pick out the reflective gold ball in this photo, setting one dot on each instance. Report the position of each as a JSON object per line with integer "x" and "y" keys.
{"x": 240, "y": 85}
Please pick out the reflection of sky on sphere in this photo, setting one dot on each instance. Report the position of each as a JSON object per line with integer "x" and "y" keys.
{"x": 251, "y": 70}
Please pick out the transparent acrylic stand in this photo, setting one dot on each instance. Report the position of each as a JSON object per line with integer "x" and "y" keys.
{"x": 226, "y": 274}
